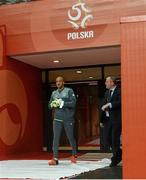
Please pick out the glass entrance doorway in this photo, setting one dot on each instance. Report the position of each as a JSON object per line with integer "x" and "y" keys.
{"x": 89, "y": 88}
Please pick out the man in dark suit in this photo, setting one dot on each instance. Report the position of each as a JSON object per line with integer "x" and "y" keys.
{"x": 111, "y": 111}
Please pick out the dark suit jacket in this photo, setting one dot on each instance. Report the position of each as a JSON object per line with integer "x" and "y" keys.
{"x": 115, "y": 111}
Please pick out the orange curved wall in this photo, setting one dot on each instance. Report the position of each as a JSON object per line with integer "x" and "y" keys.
{"x": 133, "y": 50}
{"x": 20, "y": 99}
{"x": 42, "y": 25}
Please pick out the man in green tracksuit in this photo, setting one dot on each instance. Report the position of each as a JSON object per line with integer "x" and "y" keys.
{"x": 63, "y": 101}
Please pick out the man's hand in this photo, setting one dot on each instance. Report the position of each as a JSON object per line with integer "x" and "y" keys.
{"x": 101, "y": 125}
{"x": 106, "y": 106}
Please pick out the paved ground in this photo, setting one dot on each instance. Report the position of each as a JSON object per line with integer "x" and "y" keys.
{"x": 104, "y": 173}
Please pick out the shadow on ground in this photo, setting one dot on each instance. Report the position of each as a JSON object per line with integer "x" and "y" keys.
{"x": 105, "y": 173}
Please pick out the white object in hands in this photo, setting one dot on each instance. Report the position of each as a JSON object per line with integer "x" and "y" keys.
{"x": 56, "y": 103}
{"x": 61, "y": 104}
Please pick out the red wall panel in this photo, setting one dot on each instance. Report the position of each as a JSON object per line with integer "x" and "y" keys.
{"x": 133, "y": 50}
{"x": 20, "y": 105}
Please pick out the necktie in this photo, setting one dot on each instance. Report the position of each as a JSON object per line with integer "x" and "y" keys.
{"x": 109, "y": 96}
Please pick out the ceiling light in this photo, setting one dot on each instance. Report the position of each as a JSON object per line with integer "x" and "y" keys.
{"x": 56, "y": 61}
{"x": 79, "y": 72}
{"x": 90, "y": 77}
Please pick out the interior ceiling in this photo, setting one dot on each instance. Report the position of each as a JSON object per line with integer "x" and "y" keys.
{"x": 89, "y": 73}
{"x": 95, "y": 56}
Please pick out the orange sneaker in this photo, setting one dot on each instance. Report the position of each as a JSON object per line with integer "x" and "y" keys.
{"x": 53, "y": 162}
{"x": 73, "y": 159}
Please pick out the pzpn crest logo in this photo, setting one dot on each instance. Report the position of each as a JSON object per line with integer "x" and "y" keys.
{"x": 79, "y": 15}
